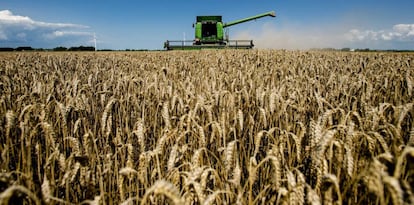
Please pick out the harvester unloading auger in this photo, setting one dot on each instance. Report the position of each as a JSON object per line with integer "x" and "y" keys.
{"x": 209, "y": 33}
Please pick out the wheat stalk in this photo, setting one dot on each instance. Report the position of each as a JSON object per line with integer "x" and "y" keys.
{"x": 8, "y": 193}
{"x": 328, "y": 124}
{"x": 394, "y": 189}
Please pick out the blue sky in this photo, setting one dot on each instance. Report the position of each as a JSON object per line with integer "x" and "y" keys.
{"x": 124, "y": 24}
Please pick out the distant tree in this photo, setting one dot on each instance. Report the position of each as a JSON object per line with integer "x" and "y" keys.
{"x": 364, "y": 50}
{"x": 82, "y": 48}
{"x": 6, "y": 49}
{"x": 345, "y": 49}
{"x": 24, "y": 48}
{"x": 87, "y": 48}
{"x": 60, "y": 48}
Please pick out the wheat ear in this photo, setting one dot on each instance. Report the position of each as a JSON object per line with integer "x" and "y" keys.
{"x": 46, "y": 193}
{"x": 165, "y": 188}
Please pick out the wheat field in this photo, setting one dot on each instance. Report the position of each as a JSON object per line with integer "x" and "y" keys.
{"x": 207, "y": 127}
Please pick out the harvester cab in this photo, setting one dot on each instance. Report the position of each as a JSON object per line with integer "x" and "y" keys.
{"x": 209, "y": 30}
{"x": 209, "y": 33}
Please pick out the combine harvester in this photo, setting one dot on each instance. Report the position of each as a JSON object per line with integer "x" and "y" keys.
{"x": 209, "y": 33}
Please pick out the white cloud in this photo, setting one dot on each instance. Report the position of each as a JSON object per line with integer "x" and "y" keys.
{"x": 399, "y": 32}
{"x": 16, "y": 30}
{"x": 57, "y": 34}
{"x": 270, "y": 35}
{"x": 404, "y": 28}
{"x": 7, "y": 18}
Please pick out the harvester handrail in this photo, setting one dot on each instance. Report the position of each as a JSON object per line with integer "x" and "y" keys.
{"x": 187, "y": 44}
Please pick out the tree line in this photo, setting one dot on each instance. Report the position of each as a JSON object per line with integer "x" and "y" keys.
{"x": 60, "y": 48}
{"x": 91, "y": 48}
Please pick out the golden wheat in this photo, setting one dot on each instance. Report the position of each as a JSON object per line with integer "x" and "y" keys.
{"x": 206, "y": 127}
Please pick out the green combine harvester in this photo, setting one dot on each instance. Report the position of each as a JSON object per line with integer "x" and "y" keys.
{"x": 209, "y": 33}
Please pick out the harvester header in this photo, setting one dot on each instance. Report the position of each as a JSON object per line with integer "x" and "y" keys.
{"x": 209, "y": 33}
